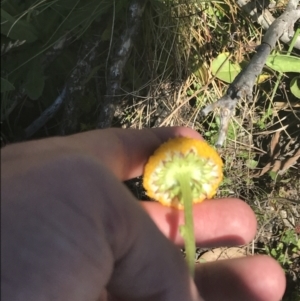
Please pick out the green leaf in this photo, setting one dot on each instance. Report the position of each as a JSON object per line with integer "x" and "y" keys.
{"x": 283, "y": 63}
{"x": 106, "y": 34}
{"x": 17, "y": 29}
{"x": 223, "y": 69}
{"x": 273, "y": 252}
{"x": 295, "y": 86}
{"x": 35, "y": 80}
{"x": 250, "y": 163}
{"x": 6, "y": 85}
{"x": 273, "y": 175}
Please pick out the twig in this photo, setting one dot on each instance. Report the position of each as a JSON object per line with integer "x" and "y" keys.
{"x": 118, "y": 61}
{"x": 46, "y": 115}
{"x": 280, "y": 199}
{"x": 242, "y": 85}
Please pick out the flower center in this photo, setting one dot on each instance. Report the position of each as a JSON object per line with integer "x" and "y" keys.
{"x": 199, "y": 171}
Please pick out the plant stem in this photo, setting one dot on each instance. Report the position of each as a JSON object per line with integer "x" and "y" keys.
{"x": 187, "y": 230}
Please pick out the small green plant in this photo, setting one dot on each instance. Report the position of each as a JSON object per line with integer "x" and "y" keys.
{"x": 287, "y": 248}
{"x": 212, "y": 133}
{"x": 262, "y": 123}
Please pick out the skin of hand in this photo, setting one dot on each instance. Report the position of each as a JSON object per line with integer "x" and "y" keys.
{"x": 70, "y": 230}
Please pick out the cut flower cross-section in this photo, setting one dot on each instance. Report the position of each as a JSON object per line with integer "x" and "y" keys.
{"x": 179, "y": 158}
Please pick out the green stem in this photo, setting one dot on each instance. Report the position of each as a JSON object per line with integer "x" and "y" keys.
{"x": 187, "y": 230}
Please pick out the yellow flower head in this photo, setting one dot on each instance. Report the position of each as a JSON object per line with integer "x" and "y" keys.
{"x": 182, "y": 157}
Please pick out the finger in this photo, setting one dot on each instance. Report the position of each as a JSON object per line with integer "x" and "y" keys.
{"x": 125, "y": 152}
{"x": 255, "y": 278}
{"x": 217, "y": 222}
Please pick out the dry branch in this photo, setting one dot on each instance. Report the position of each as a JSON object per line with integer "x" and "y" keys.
{"x": 242, "y": 85}
{"x": 76, "y": 86}
{"x": 264, "y": 17}
{"x": 118, "y": 61}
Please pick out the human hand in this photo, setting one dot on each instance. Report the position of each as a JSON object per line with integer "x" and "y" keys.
{"x": 72, "y": 231}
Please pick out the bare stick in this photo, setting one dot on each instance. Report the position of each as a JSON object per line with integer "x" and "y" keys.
{"x": 118, "y": 61}
{"x": 242, "y": 85}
